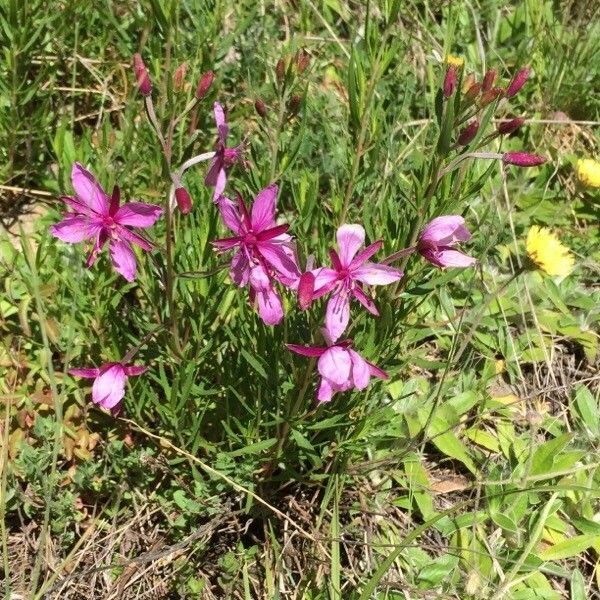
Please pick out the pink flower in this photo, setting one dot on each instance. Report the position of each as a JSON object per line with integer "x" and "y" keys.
{"x": 523, "y": 159}
{"x": 109, "y": 382}
{"x": 263, "y": 251}
{"x": 350, "y": 271}
{"x": 224, "y": 158}
{"x": 438, "y": 239}
{"x": 94, "y": 215}
{"x": 341, "y": 368}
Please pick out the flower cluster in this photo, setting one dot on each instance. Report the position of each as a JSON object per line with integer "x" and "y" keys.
{"x": 263, "y": 253}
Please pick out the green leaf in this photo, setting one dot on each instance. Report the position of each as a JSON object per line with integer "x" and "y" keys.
{"x": 568, "y": 548}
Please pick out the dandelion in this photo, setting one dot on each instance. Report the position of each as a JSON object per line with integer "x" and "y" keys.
{"x": 547, "y": 253}
{"x": 109, "y": 382}
{"x": 345, "y": 280}
{"x": 94, "y": 215}
{"x": 455, "y": 61}
{"x": 263, "y": 251}
{"x": 341, "y": 368}
{"x": 588, "y": 172}
{"x": 224, "y": 157}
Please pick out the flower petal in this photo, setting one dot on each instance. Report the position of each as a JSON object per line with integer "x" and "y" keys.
{"x": 88, "y": 190}
{"x": 337, "y": 315}
{"x": 376, "y": 274}
{"x": 276, "y": 256}
{"x": 311, "y": 351}
{"x": 88, "y": 373}
{"x": 445, "y": 231}
{"x": 454, "y": 258}
{"x": 220, "y": 121}
{"x": 123, "y": 258}
{"x": 109, "y": 388}
{"x": 325, "y": 280}
{"x": 377, "y": 372}
{"x": 135, "y": 370}
{"x": 98, "y": 245}
{"x": 335, "y": 364}
{"x": 240, "y": 268}
{"x": 230, "y": 215}
{"x": 138, "y": 214}
{"x": 226, "y": 243}
{"x": 360, "y": 370}
{"x": 365, "y": 300}
{"x": 75, "y": 229}
{"x": 263, "y": 208}
{"x": 349, "y": 239}
{"x": 365, "y": 254}
{"x": 134, "y": 238}
{"x": 325, "y": 391}
{"x": 269, "y": 306}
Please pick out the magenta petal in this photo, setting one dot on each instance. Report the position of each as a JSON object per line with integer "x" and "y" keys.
{"x": 259, "y": 278}
{"x": 337, "y": 315}
{"x": 365, "y": 300}
{"x": 230, "y": 215}
{"x": 311, "y": 351}
{"x": 133, "y": 370}
{"x": 335, "y": 364}
{"x": 216, "y": 165}
{"x": 377, "y": 372}
{"x": 220, "y": 184}
{"x": 138, "y": 214}
{"x": 263, "y": 208}
{"x": 365, "y": 254}
{"x": 454, "y": 258}
{"x": 325, "y": 391}
{"x": 123, "y": 258}
{"x": 88, "y": 190}
{"x": 88, "y": 373}
{"x": 240, "y": 268}
{"x": 220, "y": 121}
{"x": 276, "y": 256}
{"x": 269, "y": 306}
{"x": 325, "y": 280}
{"x": 360, "y": 370}
{"x": 226, "y": 243}
{"x": 374, "y": 274}
{"x": 349, "y": 239}
{"x": 444, "y": 231}
{"x": 109, "y": 388}
{"x": 75, "y": 229}
{"x": 98, "y": 244}
{"x": 134, "y": 238}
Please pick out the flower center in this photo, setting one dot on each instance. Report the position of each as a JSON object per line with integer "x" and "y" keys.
{"x": 250, "y": 238}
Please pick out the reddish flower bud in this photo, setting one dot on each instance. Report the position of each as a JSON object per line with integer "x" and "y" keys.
{"x": 468, "y": 81}
{"x": 141, "y": 75}
{"x": 260, "y": 107}
{"x": 306, "y": 287}
{"x": 280, "y": 70}
{"x": 509, "y": 126}
{"x": 489, "y": 96}
{"x": 179, "y": 76}
{"x": 473, "y": 92}
{"x": 302, "y": 59}
{"x": 523, "y": 159}
{"x": 184, "y": 200}
{"x": 488, "y": 80}
{"x": 450, "y": 81}
{"x": 205, "y": 82}
{"x": 518, "y": 81}
{"x": 294, "y": 104}
{"x": 467, "y": 135}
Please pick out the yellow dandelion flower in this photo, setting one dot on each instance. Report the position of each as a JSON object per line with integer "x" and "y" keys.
{"x": 547, "y": 253}
{"x": 588, "y": 172}
{"x": 455, "y": 61}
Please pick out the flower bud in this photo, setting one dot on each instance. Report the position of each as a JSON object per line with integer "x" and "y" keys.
{"x": 205, "y": 83}
{"x": 507, "y": 127}
{"x": 523, "y": 159}
{"x": 184, "y": 200}
{"x": 306, "y": 287}
{"x": 280, "y": 70}
{"x": 489, "y": 96}
{"x": 467, "y": 135}
{"x": 473, "y": 92}
{"x": 518, "y": 81}
{"x": 141, "y": 75}
{"x": 450, "y": 81}
{"x": 260, "y": 107}
{"x": 294, "y": 104}
{"x": 302, "y": 59}
{"x": 179, "y": 76}
{"x": 488, "y": 80}
{"x": 468, "y": 81}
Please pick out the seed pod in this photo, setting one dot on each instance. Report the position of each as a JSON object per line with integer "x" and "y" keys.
{"x": 488, "y": 80}
{"x": 141, "y": 75}
{"x": 260, "y": 107}
{"x": 184, "y": 200}
{"x": 523, "y": 159}
{"x": 507, "y": 127}
{"x": 205, "y": 84}
{"x": 302, "y": 60}
{"x": 467, "y": 135}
